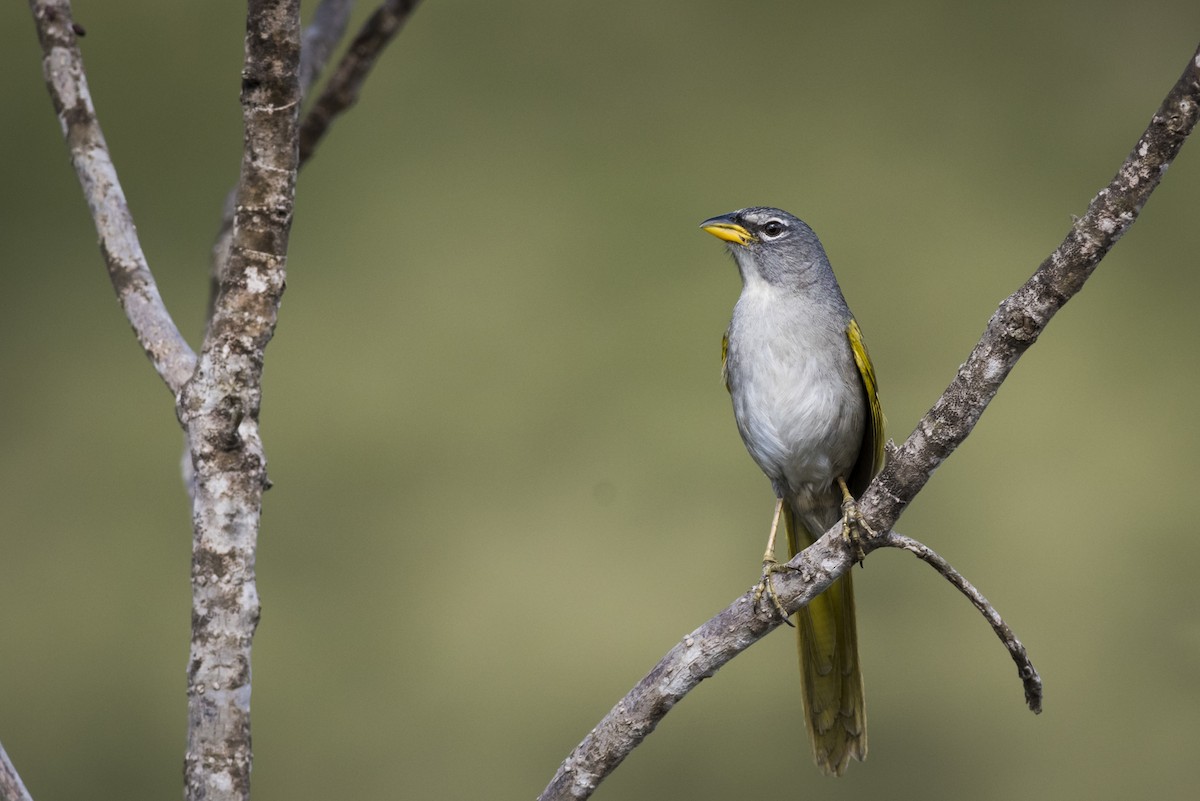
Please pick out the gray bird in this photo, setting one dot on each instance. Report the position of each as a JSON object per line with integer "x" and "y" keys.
{"x": 805, "y": 402}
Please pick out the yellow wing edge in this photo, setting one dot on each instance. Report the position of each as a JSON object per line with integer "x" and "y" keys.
{"x": 725, "y": 360}
{"x": 873, "y": 438}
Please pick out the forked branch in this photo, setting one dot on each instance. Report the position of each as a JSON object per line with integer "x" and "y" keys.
{"x": 219, "y": 409}
{"x": 218, "y": 392}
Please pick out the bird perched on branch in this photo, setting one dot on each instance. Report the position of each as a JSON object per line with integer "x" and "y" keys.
{"x": 805, "y": 402}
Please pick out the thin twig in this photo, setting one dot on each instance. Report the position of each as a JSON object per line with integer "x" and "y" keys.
{"x": 344, "y": 85}
{"x": 1025, "y": 669}
{"x": 219, "y": 409}
{"x": 11, "y": 786}
{"x": 1013, "y": 328}
{"x": 322, "y": 35}
{"x": 62, "y": 65}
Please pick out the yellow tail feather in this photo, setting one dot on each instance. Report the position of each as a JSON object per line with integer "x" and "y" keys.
{"x": 834, "y": 705}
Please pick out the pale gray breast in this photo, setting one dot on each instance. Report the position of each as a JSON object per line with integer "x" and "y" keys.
{"x": 797, "y": 396}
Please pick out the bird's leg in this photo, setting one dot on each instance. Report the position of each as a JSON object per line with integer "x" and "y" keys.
{"x": 769, "y": 554}
{"x": 771, "y": 565}
{"x": 853, "y": 524}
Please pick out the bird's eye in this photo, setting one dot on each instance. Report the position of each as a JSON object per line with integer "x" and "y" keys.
{"x": 772, "y": 228}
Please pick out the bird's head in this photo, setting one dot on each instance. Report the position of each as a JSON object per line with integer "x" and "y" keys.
{"x": 772, "y": 245}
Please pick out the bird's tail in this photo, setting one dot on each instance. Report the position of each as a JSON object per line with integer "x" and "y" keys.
{"x": 834, "y": 705}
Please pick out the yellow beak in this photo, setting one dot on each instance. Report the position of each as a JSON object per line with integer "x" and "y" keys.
{"x": 727, "y": 231}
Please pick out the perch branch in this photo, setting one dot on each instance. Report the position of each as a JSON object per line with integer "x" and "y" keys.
{"x": 62, "y": 66}
{"x": 1011, "y": 330}
{"x": 219, "y": 410}
{"x": 11, "y": 786}
{"x": 344, "y": 85}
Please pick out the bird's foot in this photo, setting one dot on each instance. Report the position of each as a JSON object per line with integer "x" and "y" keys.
{"x": 854, "y": 526}
{"x": 767, "y": 587}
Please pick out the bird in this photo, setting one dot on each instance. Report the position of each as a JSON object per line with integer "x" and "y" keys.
{"x": 807, "y": 407}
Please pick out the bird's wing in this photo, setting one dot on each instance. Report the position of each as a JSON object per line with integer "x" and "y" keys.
{"x": 725, "y": 360}
{"x": 870, "y": 454}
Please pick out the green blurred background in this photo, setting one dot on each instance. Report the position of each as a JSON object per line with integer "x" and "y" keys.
{"x": 507, "y": 478}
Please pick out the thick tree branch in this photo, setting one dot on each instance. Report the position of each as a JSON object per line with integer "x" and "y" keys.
{"x": 11, "y": 786}
{"x": 344, "y": 85}
{"x": 62, "y": 65}
{"x": 219, "y": 409}
{"x": 1017, "y": 323}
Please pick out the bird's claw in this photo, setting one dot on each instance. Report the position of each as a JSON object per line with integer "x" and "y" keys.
{"x": 767, "y": 587}
{"x": 854, "y": 527}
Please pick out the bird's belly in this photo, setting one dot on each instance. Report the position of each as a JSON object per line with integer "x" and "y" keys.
{"x": 802, "y": 424}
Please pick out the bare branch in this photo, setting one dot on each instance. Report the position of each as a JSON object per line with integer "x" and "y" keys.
{"x": 62, "y": 65}
{"x": 218, "y": 394}
{"x": 1025, "y": 669}
{"x": 219, "y": 409}
{"x": 11, "y": 786}
{"x": 344, "y": 85}
{"x": 1013, "y": 328}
